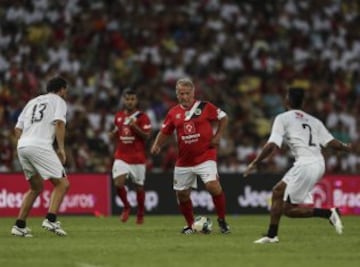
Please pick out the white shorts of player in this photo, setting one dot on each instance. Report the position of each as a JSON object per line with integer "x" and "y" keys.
{"x": 135, "y": 172}
{"x": 185, "y": 177}
{"x": 301, "y": 179}
{"x": 43, "y": 161}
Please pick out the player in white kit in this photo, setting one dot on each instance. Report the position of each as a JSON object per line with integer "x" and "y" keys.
{"x": 305, "y": 136}
{"x": 41, "y": 122}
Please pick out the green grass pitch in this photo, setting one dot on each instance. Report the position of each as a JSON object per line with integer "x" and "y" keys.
{"x": 106, "y": 242}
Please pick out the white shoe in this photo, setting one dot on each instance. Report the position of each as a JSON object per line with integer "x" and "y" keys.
{"x": 336, "y": 221}
{"x": 266, "y": 240}
{"x": 53, "y": 227}
{"x": 22, "y": 232}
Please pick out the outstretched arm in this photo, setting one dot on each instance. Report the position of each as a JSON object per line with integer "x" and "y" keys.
{"x": 268, "y": 149}
{"x": 336, "y": 144}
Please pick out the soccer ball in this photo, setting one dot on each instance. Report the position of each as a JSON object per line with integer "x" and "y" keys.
{"x": 202, "y": 224}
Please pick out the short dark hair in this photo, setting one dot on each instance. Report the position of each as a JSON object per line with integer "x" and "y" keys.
{"x": 56, "y": 84}
{"x": 296, "y": 97}
{"x": 129, "y": 91}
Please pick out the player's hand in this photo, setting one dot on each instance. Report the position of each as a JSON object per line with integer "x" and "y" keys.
{"x": 249, "y": 169}
{"x": 62, "y": 155}
{"x": 132, "y": 121}
{"x": 155, "y": 149}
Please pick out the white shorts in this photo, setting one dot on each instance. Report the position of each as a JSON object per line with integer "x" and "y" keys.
{"x": 135, "y": 172}
{"x": 43, "y": 161}
{"x": 300, "y": 180}
{"x": 185, "y": 177}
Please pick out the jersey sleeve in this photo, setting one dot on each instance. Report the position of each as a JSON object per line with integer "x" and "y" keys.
{"x": 214, "y": 112}
{"x": 168, "y": 126}
{"x": 145, "y": 123}
{"x": 20, "y": 121}
{"x": 277, "y": 132}
{"x": 324, "y": 135}
{"x": 60, "y": 110}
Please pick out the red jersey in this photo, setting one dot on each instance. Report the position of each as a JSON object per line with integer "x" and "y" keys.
{"x": 130, "y": 146}
{"x": 194, "y": 132}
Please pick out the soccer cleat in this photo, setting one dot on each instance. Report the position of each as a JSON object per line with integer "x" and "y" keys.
{"x": 22, "y": 232}
{"x": 267, "y": 240}
{"x": 54, "y": 227}
{"x": 224, "y": 227}
{"x": 139, "y": 220}
{"x": 187, "y": 230}
{"x": 125, "y": 214}
{"x": 336, "y": 221}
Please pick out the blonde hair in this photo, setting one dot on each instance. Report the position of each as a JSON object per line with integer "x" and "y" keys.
{"x": 185, "y": 82}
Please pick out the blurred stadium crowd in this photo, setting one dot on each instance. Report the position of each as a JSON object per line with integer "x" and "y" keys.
{"x": 242, "y": 55}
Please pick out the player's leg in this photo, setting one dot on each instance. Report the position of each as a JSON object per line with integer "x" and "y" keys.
{"x": 184, "y": 180}
{"x": 140, "y": 198}
{"x": 36, "y": 186}
{"x": 61, "y": 187}
{"x": 209, "y": 175}
{"x": 299, "y": 191}
{"x": 119, "y": 183}
{"x": 120, "y": 173}
{"x": 186, "y": 208}
{"x": 275, "y": 214}
{"x": 137, "y": 174}
{"x": 47, "y": 164}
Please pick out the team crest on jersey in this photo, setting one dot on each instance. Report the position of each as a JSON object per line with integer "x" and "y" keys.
{"x": 197, "y": 112}
{"x": 189, "y": 127}
{"x": 126, "y": 131}
{"x": 119, "y": 119}
{"x": 178, "y": 116}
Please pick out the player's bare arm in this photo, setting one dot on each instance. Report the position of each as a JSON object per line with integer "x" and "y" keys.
{"x": 112, "y": 133}
{"x": 60, "y": 137}
{"x": 215, "y": 141}
{"x": 143, "y": 134}
{"x": 18, "y": 133}
{"x": 158, "y": 143}
{"x": 336, "y": 144}
{"x": 268, "y": 149}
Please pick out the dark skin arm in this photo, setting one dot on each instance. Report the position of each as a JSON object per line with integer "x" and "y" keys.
{"x": 143, "y": 134}
{"x": 268, "y": 149}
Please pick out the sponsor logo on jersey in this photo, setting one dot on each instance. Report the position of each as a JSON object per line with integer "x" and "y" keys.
{"x": 189, "y": 127}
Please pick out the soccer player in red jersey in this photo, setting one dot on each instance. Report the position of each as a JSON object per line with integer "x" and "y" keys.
{"x": 132, "y": 128}
{"x": 197, "y": 142}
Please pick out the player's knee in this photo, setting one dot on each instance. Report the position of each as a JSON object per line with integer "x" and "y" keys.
{"x": 288, "y": 211}
{"x": 37, "y": 189}
{"x": 183, "y": 196}
{"x": 214, "y": 188}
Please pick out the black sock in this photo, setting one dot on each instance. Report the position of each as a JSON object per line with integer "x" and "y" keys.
{"x": 51, "y": 217}
{"x": 323, "y": 213}
{"x": 273, "y": 230}
{"x": 20, "y": 223}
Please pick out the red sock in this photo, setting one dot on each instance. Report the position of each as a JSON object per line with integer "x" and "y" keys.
{"x": 121, "y": 191}
{"x": 187, "y": 210}
{"x": 140, "y": 197}
{"x": 219, "y": 202}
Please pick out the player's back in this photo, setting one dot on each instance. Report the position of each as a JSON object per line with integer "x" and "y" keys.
{"x": 37, "y": 120}
{"x": 304, "y": 134}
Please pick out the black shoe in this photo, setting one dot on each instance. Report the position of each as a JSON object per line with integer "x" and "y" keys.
{"x": 224, "y": 227}
{"x": 187, "y": 230}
